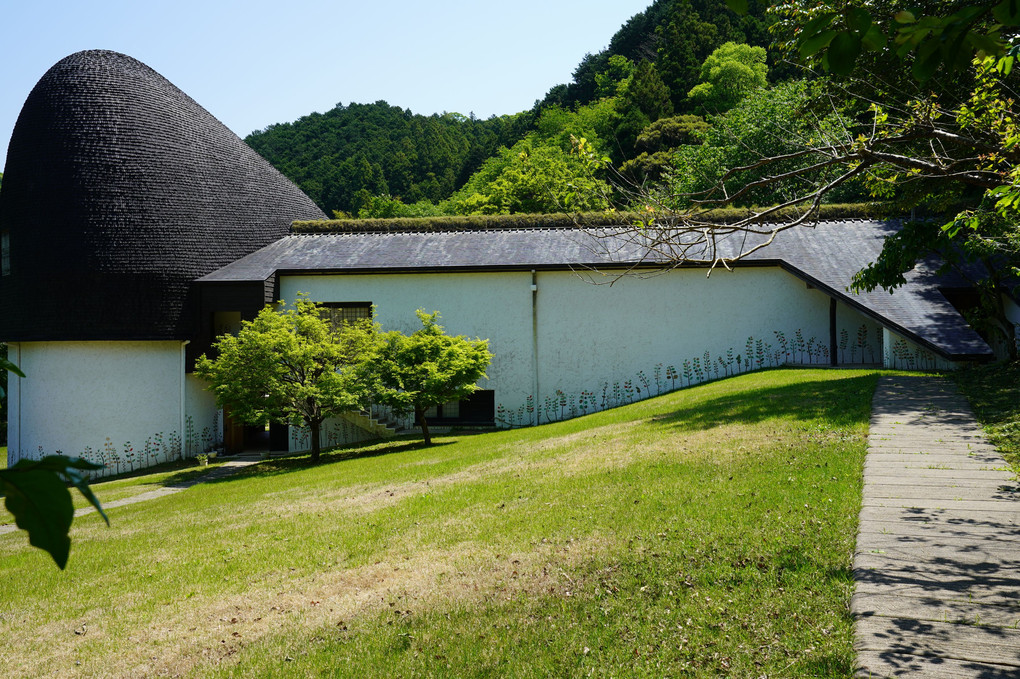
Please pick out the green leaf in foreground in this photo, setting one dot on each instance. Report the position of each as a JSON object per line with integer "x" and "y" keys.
{"x": 843, "y": 52}
{"x": 35, "y": 493}
{"x": 7, "y": 365}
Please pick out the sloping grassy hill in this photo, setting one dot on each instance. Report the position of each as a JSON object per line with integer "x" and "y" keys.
{"x": 705, "y": 532}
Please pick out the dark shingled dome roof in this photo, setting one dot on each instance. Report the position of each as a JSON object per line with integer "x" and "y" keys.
{"x": 119, "y": 191}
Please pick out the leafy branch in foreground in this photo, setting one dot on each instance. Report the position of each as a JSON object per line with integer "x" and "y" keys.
{"x": 35, "y": 492}
{"x": 942, "y": 37}
{"x": 950, "y": 146}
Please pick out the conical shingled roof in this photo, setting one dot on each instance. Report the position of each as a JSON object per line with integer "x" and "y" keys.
{"x": 120, "y": 190}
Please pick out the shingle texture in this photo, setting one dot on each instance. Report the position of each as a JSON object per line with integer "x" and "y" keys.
{"x": 826, "y": 256}
{"x": 119, "y": 190}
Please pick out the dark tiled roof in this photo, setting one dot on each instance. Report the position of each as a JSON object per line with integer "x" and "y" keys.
{"x": 120, "y": 190}
{"x": 826, "y": 255}
{"x": 831, "y": 253}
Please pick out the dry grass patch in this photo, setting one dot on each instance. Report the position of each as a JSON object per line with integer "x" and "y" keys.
{"x": 209, "y": 631}
{"x": 368, "y": 498}
{"x": 616, "y": 447}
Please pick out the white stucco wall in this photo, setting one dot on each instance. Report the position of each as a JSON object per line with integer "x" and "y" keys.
{"x": 206, "y": 423}
{"x": 333, "y": 432}
{"x": 115, "y": 403}
{"x": 601, "y": 340}
{"x": 902, "y": 354}
{"x": 859, "y": 338}
{"x": 493, "y": 306}
{"x": 591, "y": 334}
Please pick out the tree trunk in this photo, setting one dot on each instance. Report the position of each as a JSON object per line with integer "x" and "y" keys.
{"x": 314, "y": 426}
{"x": 419, "y": 414}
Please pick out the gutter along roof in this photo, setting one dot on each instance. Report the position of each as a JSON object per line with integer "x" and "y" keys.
{"x": 825, "y": 256}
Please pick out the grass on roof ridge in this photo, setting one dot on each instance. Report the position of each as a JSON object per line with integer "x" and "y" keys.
{"x": 558, "y": 220}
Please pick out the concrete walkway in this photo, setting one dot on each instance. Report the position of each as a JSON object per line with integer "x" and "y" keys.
{"x": 229, "y": 468}
{"x": 938, "y": 554}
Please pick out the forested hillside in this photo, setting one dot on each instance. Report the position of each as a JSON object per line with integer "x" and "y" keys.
{"x": 677, "y": 35}
{"x": 344, "y": 156}
{"x": 380, "y": 160}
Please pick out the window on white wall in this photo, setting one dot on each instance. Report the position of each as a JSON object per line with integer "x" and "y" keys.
{"x": 477, "y": 409}
{"x": 447, "y": 410}
{"x": 338, "y": 313}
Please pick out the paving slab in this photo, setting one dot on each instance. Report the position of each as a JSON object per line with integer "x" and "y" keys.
{"x": 937, "y": 565}
{"x": 927, "y": 607}
{"x": 889, "y": 664}
{"x": 889, "y": 473}
{"x": 933, "y": 455}
{"x": 994, "y": 512}
{"x": 965, "y": 530}
{"x": 977, "y": 643}
{"x": 934, "y": 559}
{"x": 921, "y": 465}
{"x": 938, "y": 544}
{"x": 951, "y": 475}
{"x": 940, "y": 490}
{"x": 911, "y": 455}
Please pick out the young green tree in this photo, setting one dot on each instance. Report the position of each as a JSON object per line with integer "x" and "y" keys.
{"x": 292, "y": 367}
{"x": 729, "y": 74}
{"x": 428, "y": 368}
{"x": 532, "y": 177}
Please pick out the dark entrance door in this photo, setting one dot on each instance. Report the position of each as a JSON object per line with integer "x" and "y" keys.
{"x": 233, "y": 433}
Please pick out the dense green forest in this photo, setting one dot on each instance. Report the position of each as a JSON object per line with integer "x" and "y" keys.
{"x": 344, "y": 156}
{"x": 379, "y": 160}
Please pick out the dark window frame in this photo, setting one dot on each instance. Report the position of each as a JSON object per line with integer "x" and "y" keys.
{"x": 476, "y": 410}
{"x": 348, "y": 311}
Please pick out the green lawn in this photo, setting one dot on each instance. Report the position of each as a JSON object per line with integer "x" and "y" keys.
{"x": 994, "y": 394}
{"x": 708, "y": 532}
{"x": 128, "y": 485}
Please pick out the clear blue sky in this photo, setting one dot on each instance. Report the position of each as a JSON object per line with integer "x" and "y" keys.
{"x": 256, "y": 62}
